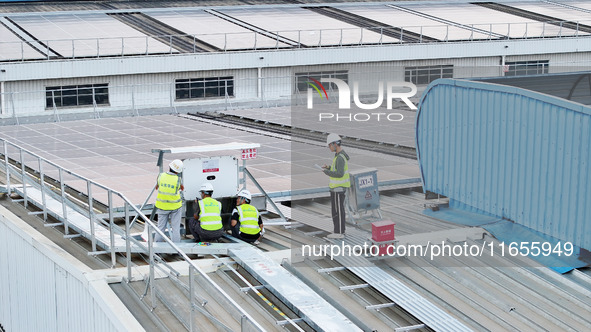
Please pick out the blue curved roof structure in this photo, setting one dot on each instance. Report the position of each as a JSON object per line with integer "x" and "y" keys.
{"x": 510, "y": 152}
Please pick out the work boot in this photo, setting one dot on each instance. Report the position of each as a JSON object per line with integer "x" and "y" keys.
{"x": 335, "y": 236}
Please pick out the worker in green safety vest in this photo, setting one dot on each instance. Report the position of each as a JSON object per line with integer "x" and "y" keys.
{"x": 246, "y": 221}
{"x": 206, "y": 224}
{"x": 169, "y": 202}
{"x": 338, "y": 173}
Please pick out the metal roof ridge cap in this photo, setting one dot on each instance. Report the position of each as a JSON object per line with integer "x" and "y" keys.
{"x": 557, "y": 101}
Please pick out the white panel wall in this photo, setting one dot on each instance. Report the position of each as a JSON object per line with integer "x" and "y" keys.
{"x": 42, "y": 288}
{"x": 274, "y": 83}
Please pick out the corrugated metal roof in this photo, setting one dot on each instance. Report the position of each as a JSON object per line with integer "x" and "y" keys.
{"x": 511, "y": 152}
{"x": 571, "y": 86}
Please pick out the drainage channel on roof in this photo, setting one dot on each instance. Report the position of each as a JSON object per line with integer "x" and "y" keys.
{"x": 315, "y": 310}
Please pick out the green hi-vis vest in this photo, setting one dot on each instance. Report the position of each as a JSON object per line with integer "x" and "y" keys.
{"x": 210, "y": 214}
{"x": 342, "y": 181}
{"x": 248, "y": 216}
{"x": 169, "y": 195}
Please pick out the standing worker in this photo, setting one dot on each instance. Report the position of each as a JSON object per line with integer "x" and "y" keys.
{"x": 338, "y": 173}
{"x": 169, "y": 202}
{"x": 206, "y": 224}
{"x": 246, "y": 221}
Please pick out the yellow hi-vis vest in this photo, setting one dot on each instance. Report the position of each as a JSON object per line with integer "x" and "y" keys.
{"x": 248, "y": 216}
{"x": 210, "y": 214}
{"x": 169, "y": 195}
{"x": 342, "y": 181}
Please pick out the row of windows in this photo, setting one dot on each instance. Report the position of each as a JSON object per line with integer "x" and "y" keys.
{"x": 522, "y": 68}
{"x": 302, "y": 79}
{"x": 427, "y": 74}
{"x": 201, "y": 88}
{"x": 76, "y": 95}
{"x": 223, "y": 86}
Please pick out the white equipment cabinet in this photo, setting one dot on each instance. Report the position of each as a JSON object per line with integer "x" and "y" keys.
{"x": 222, "y": 172}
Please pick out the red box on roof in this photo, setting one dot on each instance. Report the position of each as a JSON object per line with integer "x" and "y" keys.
{"x": 382, "y": 230}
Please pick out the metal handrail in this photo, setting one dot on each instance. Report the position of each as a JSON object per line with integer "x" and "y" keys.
{"x": 7, "y": 166}
{"x": 168, "y": 48}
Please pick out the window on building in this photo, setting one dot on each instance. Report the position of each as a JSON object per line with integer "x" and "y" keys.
{"x": 207, "y": 87}
{"x": 302, "y": 79}
{"x": 522, "y": 68}
{"x": 427, "y": 74}
{"x": 76, "y": 95}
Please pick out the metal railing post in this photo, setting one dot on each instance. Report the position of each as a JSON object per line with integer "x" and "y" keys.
{"x": 255, "y": 41}
{"x": 8, "y": 188}
{"x": 22, "y": 51}
{"x": 299, "y": 38}
{"x": 191, "y": 298}
{"x": 98, "y": 48}
{"x": 47, "y": 45}
{"x": 122, "y": 46}
{"x": 225, "y": 41}
{"x": 151, "y": 274}
{"x": 446, "y": 33}
{"x": 194, "y": 44}
{"x": 320, "y": 38}
{"x": 13, "y": 108}
{"x": 508, "y": 30}
{"x": 23, "y": 178}
{"x": 147, "y": 45}
{"x": 63, "y": 195}
{"x": 73, "y": 50}
{"x": 361, "y": 37}
{"x": 560, "y": 30}
{"x": 543, "y": 29}
{"x": 90, "y": 213}
{"x": 401, "y": 34}
{"x": 525, "y": 30}
{"x": 381, "y": 34}
{"x": 421, "y": 35}
{"x": 127, "y": 242}
{"x": 42, "y": 187}
{"x": 111, "y": 229}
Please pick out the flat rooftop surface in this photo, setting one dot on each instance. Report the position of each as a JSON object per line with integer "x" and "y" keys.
{"x": 393, "y": 132}
{"x": 116, "y": 152}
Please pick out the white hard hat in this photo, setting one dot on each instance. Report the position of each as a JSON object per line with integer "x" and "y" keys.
{"x": 206, "y": 187}
{"x": 245, "y": 193}
{"x": 176, "y": 165}
{"x": 332, "y": 138}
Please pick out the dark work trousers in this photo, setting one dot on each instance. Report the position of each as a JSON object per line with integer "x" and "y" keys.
{"x": 337, "y": 201}
{"x": 202, "y": 235}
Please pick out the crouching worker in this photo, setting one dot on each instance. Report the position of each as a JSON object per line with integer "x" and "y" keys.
{"x": 206, "y": 224}
{"x": 246, "y": 222}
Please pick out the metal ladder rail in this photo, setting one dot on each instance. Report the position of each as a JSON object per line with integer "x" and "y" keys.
{"x": 256, "y": 183}
{"x": 256, "y": 291}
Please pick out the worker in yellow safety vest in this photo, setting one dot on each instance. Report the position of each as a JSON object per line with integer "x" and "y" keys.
{"x": 246, "y": 221}
{"x": 169, "y": 202}
{"x": 206, "y": 224}
{"x": 338, "y": 173}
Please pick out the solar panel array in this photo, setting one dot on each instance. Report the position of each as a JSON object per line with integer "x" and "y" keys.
{"x": 116, "y": 152}
{"x": 306, "y": 27}
{"x": 11, "y": 47}
{"x": 491, "y": 20}
{"x": 214, "y": 30}
{"x": 414, "y": 23}
{"x": 89, "y": 34}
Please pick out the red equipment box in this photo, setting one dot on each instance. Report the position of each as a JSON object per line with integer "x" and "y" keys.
{"x": 383, "y": 249}
{"x": 382, "y": 231}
